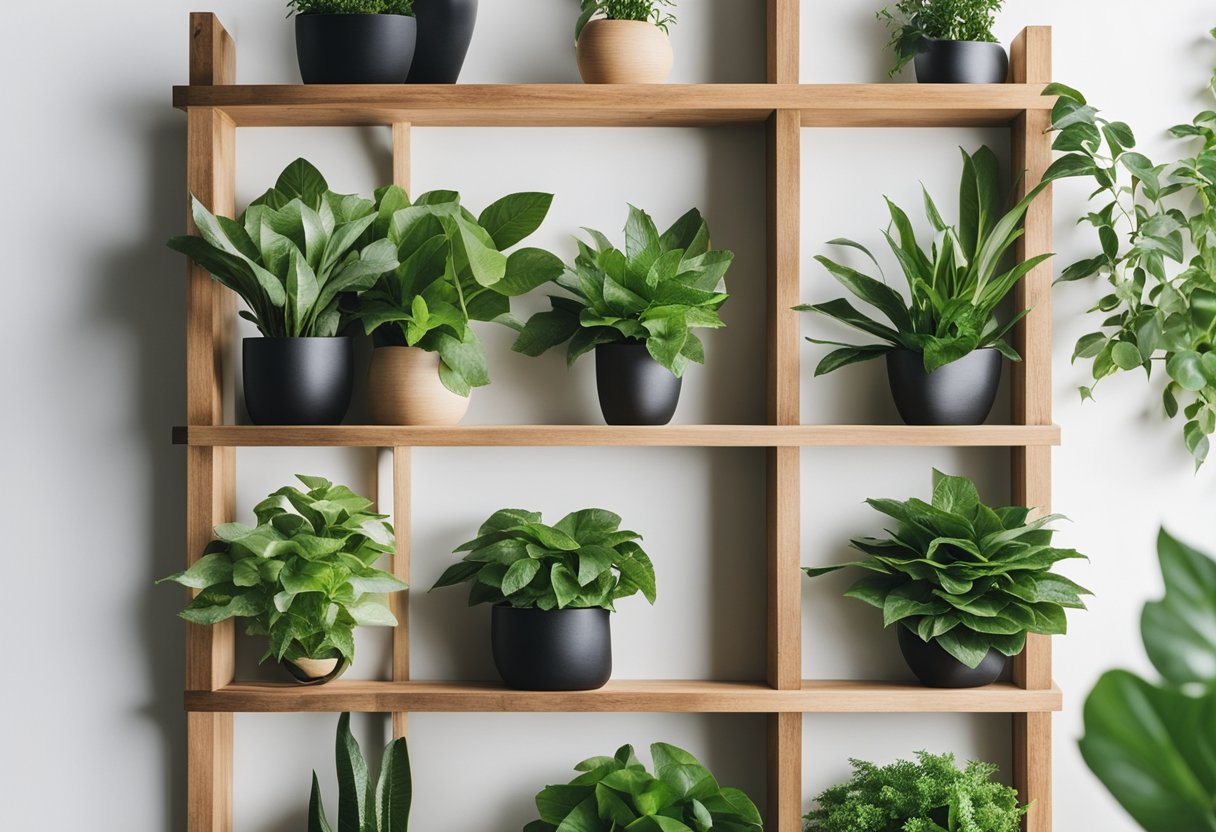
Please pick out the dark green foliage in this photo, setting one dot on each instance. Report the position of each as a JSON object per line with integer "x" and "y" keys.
{"x": 651, "y": 10}
{"x": 912, "y": 22}
{"x": 404, "y": 7}
{"x": 364, "y": 806}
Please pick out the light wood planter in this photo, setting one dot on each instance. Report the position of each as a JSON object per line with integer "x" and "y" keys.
{"x": 404, "y": 389}
{"x": 624, "y": 52}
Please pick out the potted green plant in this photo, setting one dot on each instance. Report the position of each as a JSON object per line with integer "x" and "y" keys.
{"x": 552, "y": 588}
{"x": 354, "y": 41}
{"x": 618, "y": 792}
{"x": 931, "y": 794}
{"x": 445, "y": 30}
{"x": 362, "y": 806}
{"x": 950, "y": 41}
{"x": 293, "y": 256}
{"x": 449, "y": 269}
{"x": 964, "y": 582}
{"x": 624, "y": 41}
{"x": 943, "y": 345}
{"x": 304, "y": 576}
{"x": 637, "y": 309}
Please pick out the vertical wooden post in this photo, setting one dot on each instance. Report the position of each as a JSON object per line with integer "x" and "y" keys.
{"x": 783, "y": 42}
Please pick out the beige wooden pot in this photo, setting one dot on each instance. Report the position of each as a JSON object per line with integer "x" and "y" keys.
{"x": 316, "y": 668}
{"x": 404, "y": 389}
{"x": 624, "y": 52}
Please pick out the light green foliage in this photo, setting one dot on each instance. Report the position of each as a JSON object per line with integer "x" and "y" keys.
{"x": 954, "y": 289}
{"x": 450, "y": 268}
{"x": 304, "y": 575}
{"x": 912, "y": 22}
{"x": 651, "y": 10}
{"x": 403, "y": 7}
{"x": 617, "y": 793}
{"x": 930, "y": 795}
{"x": 1153, "y": 745}
{"x": 659, "y": 289}
{"x": 970, "y": 577}
{"x": 364, "y": 806}
{"x": 586, "y": 560}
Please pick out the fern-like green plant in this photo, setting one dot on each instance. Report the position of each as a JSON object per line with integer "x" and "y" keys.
{"x": 402, "y": 7}
{"x": 362, "y": 806}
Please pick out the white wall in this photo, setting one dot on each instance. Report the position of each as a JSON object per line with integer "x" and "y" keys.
{"x": 94, "y": 169}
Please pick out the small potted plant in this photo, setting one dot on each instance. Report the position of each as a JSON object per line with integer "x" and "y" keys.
{"x": 950, "y": 41}
{"x": 964, "y": 582}
{"x": 943, "y": 345}
{"x": 362, "y": 805}
{"x": 354, "y": 41}
{"x": 637, "y": 309}
{"x": 552, "y": 588}
{"x": 624, "y": 41}
{"x": 618, "y": 792}
{"x": 293, "y": 256}
{"x": 452, "y": 270}
{"x": 445, "y": 30}
{"x": 304, "y": 576}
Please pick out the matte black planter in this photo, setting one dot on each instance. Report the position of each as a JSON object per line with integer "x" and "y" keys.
{"x": 298, "y": 381}
{"x": 960, "y": 393}
{"x": 938, "y": 669}
{"x": 962, "y": 62}
{"x": 355, "y": 48}
{"x": 567, "y": 649}
{"x": 445, "y": 28}
{"x": 634, "y": 388}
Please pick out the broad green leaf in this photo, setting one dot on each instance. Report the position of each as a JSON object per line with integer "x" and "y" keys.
{"x": 514, "y": 217}
{"x": 1180, "y": 630}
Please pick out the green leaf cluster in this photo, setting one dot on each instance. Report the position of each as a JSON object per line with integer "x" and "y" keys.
{"x": 912, "y": 22}
{"x": 970, "y": 577}
{"x": 364, "y": 806}
{"x": 585, "y": 560}
{"x": 617, "y": 793}
{"x": 304, "y": 575}
{"x": 659, "y": 289}
{"x": 402, "y": 7}
{"x": 1153, "y": 744}
{"x": 449, "y": 268}
{"x": 930, "y": 795}
{"x": 954, "y": 288}
{"x": 653, "y": 11}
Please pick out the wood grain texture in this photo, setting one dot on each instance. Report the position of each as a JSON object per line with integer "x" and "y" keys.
{"x": 784, "y": 41}
{"x": 212, "y": 51}
{"x": 209, "y": 772}
{"x": 401, "y": 155}
{"x": 399, "y": 602}
{"x": 784, "y": 580}
{"x": 784, "y": 775}
{"x": 1032, "y": 768}
{"x": 784, "y": 267}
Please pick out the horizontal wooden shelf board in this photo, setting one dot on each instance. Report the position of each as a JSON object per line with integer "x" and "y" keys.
{"x": 622, "y": 697}
{"x": 536, "y": 105}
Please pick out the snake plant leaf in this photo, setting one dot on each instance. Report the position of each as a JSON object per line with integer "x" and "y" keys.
{"x": 394, "y": 790}
{"x": 317, "y": 821}
{"x": 352, "y": 779}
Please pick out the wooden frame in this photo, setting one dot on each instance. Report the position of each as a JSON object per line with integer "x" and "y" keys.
{"x": 216, "y": 106}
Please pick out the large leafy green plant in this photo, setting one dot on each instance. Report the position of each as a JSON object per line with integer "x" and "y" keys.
{"x": 450, "y": 269}
{"x": 912, "y": 22}
{"x": 1153, "y": 744}
{"x": 930, "y": 795}
{"x": 617, "y": 793}
{"x": 364, "y": 806}
{"x": 646, "y": 10}
{"x": 304, "y": 575}
{"x": 954, "y": 289}
{"x": 660, "y": 288}
{"x": 294, "y": 255}
{"x": 585, "y": 560}
{"x": 969, "y": 577}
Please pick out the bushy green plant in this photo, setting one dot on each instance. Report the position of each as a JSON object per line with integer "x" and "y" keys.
{"x": 585, "y": 560}
{"x": 653, "y": 11}
{"x": 954, "y": 289}
{"x": 304, "y": 575}
{"x": 363, "y": 806}
{"x": 930, "y": 795}
{"x": 912, "y": 22}
{"x": 970, "y": 577}
{"x": 617, "y": 792}
{"x": 402, "y": 7}
{"x": 656, "y": 291}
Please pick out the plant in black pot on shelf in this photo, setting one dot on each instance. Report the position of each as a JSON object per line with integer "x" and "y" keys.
{"x": 964, "y": 583}
{"x": 624, "y": 41}
{"x": 637, "y": 309}
{"x": 354, "y": 41}
{"x": 943, "y": 344}
{"x": 950, "y": 41}
{"x": 364, "y": 806}
{"x": 553, "y": 588}
{"x": 293, "y": 256}
{"x": 305, "y": 576}
{"x": 445, "y": 30}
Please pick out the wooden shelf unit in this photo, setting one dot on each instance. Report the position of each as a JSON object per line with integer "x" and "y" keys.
{"x": 216, "y": 106}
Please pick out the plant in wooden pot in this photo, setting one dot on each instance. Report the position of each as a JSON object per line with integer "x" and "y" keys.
{"x": 294, "y": 256}
{"x": 354, "y": 41}
{"x": 553, "y": 588}
{"x": 364, "y": 806}
{"x": 304, "y": 576}
{"x": 963, "y": 583}
{"x": 624, "y": 41}
{"x": 637, "y": 309}
{"x": 949, "y": 41}
{"x": 449, "y": 269}
{"x": 943, "y": 344}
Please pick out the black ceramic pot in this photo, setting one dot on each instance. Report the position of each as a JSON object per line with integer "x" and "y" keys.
{"x": 634, "y": 388}
{"x": 960, "y": 393}
{"x": 567, "y": 649}
{"x": 938, "y": 669}
{"x": 298, "y": 381}
{"x": 445, "y": 28}
{"x": 355, "y": 48}
{"x": 961, "y": 62}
